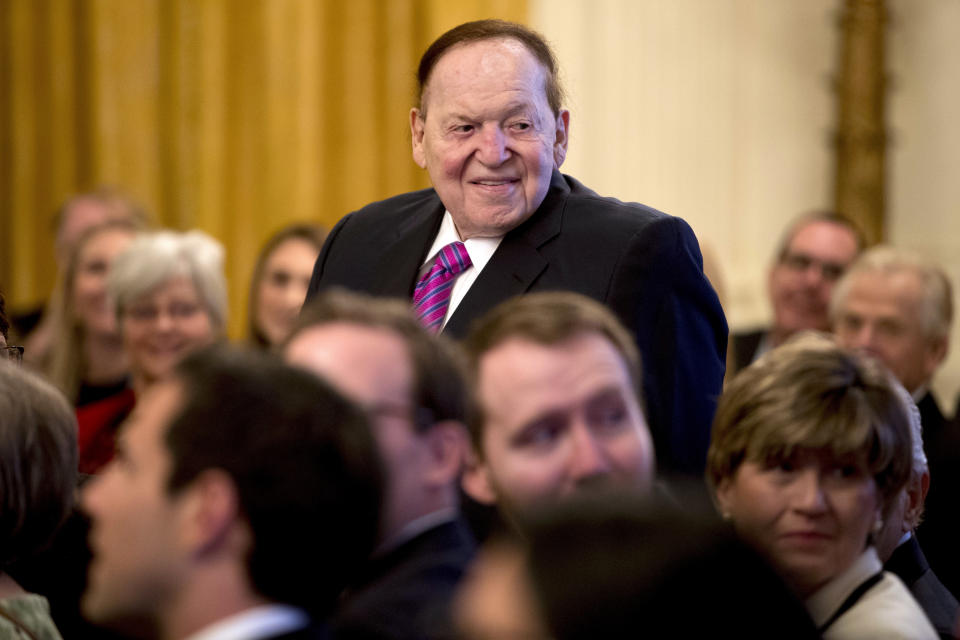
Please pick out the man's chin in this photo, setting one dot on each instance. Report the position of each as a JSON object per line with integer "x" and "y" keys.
{"x": 102, "y": 610}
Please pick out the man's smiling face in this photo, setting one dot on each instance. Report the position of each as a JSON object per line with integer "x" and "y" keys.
{"x": 487, "y": 136}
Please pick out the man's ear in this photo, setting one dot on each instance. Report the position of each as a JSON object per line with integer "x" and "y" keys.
{"x": 209, "y": 511}
{"x": 561, "y": 138}
{"x": 476, "y": 481}
{"x": 447, "y": 445}
{"x": 935, "y": 354}
{"x": 416, "y": 135}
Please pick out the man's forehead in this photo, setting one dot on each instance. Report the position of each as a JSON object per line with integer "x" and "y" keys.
{"x": 466, "y": 63}
{"x": 360, "y": 360}
{"x": 900, "y": 289}
{"x": 521, "y": 361}
{"x": 811, "y": 233}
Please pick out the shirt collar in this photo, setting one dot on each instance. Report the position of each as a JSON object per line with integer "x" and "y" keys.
{"x": 259, "y": 622}
{"x": 414, "y": 528}
{"x": 828, "y": 598}
{"x": 480, "y": 249}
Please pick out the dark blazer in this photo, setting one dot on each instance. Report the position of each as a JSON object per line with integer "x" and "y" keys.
{"x": 939, "y": 530}
{"x": 932, "y": 421}
{"x": 313, "y": 632}
{"x": 744, "y": 346}
{"x": 910, "y": 565}
{"x": 643, "y": 264}
{"x": 406, "y": 593}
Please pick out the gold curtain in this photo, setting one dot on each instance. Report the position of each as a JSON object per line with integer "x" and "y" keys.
{"x": 232, "y": 116}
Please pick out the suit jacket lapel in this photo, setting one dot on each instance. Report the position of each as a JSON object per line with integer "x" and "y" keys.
{"x": 402, "y": 254}
{"x": 516, "y": 263}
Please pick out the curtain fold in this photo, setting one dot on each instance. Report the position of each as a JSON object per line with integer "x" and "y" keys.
{"x": 232, "y": 116}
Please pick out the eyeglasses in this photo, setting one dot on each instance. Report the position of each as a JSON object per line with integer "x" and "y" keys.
{"x": 421, "y": 417}
{"x": 148, "y": 313}
{"x": 800, "y": 262}
{"x": 13, "y": 354}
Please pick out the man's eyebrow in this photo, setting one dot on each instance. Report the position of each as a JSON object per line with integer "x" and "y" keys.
{"x": 511, "y": 109}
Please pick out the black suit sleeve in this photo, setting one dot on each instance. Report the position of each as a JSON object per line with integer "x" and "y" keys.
{"x": 660, "y": 290}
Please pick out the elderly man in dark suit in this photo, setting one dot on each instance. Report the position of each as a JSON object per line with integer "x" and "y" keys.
{"x": 501, "y": 220}
{"x": 899, "y": 306}
{"x": 897, "y": 543}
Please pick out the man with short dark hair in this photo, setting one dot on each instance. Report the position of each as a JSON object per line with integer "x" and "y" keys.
{"x": 813, "y": 254}
{"x": 501, "y": 220}
{"x": 411, "y": 384}
{"x": 557, "y": 383}
{"x": 243, "y": 497}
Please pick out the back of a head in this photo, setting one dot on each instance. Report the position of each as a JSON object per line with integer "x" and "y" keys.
{"x": 303, "y": 461}
{"x": 622, "y": 566}
{"x": 38, "y": 462}
{"x": 440, "y": 384}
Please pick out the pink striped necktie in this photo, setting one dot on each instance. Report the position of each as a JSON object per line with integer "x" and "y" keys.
{"x": 431, "y": 297}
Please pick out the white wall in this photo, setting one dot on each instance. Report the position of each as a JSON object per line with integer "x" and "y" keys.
{"x": 720, "y": 111}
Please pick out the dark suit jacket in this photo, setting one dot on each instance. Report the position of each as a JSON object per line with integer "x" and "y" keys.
{"x": 744, "y": 346}
{"x": 643, "y": 264}
{"x": 313, "y": 632}
{"x": 939, "y": 530}
{"x": 932, "y": 421}
{"x": 910, "y": 565}
{"x": 406, "y": 593}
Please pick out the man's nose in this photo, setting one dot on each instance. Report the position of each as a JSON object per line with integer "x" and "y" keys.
{"x": 587, "y": 458}
{"x": 865, "y": 338}
{"x": 809, "y": 495}
{"x": 165, "y": 321}
{"x": 813, "y": 275}
{"x": 493, "y": 146}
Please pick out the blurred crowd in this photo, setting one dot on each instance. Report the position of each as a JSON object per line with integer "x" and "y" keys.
{"x": 371, "y": 465}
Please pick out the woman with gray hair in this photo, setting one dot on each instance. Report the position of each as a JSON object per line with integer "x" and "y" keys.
{"x": 170, "y": 296}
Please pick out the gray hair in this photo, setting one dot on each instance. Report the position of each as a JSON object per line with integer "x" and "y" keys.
{"x": 38, "y": 462}
{"x": 919, "y": 465}
{"x": 156, "y": 257}
{"x": 936, "y": 308}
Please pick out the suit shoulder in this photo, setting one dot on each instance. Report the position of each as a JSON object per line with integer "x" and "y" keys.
{"x": 634, "y": 213}
{"x": 398, "y": 205}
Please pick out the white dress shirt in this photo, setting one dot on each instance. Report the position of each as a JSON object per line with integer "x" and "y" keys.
{"x": 480, "y": 250}
{"x": 259, "y": 622}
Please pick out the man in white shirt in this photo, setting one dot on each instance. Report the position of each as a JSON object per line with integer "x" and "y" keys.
{"x": 491, "y": 132}
{"x": 243, "y": 497}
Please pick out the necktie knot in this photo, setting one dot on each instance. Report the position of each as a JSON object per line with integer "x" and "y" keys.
{"x": 431, "y": 297}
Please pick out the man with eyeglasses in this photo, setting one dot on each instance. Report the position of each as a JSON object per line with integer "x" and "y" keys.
{"x": 376, "y": 353}
{"x": 816, "y": 250}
